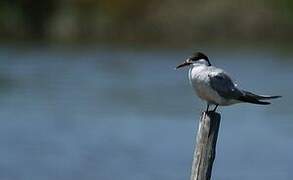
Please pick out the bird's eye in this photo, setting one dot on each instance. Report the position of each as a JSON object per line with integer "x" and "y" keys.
{"x": 189, "y": 60}
{"x": 192, "y": 59}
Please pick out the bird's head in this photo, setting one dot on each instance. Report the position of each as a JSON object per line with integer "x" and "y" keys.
{"x": 196, "y": 58}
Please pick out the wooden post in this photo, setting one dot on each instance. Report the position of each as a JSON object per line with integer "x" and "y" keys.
{"x": 206, "y": 141}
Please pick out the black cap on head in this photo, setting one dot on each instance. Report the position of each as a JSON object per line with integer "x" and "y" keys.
{"x": 198, "y": 55}
{"x": 195, "y": 57}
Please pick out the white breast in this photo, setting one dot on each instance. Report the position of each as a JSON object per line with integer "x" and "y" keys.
{"x": 199, "y": 79}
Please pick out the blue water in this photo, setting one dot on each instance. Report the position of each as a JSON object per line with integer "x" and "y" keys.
{"x": 107, "y": 114}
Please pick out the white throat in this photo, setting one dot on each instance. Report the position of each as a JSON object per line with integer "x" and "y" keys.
{"x": 198, "y": 68}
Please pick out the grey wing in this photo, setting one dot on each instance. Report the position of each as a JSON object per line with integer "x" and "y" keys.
{"x": 224, "y": 86}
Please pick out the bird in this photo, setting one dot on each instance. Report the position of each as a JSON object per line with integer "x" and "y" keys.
{"x": 215, "y": 86}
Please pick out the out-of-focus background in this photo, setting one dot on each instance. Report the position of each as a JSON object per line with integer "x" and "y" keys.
{"x": 88, "y": 89}
{"x": 144, "y": 22}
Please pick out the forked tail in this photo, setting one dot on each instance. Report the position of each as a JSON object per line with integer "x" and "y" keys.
{"x": 250, "y": 97}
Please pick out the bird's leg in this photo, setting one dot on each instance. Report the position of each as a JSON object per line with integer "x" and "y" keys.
{"x": 208, "y": 105}
{"x": 214, "y": 110}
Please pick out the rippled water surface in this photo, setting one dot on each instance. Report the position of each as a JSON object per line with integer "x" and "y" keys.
{"x": 121, "y": 114}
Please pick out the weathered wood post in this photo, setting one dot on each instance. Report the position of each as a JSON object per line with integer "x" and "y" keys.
{"x": 205, "y": 151}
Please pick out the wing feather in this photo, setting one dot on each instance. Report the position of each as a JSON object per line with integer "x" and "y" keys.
{"x": 224, "y": 86}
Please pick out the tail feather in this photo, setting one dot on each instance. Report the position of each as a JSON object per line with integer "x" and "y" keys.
{"x": 255, "y": 99}
{"x": 252, "y": 100}
{"x": 260, "y": 97}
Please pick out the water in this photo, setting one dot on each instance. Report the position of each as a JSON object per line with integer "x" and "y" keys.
{"x": 121, "y": 114}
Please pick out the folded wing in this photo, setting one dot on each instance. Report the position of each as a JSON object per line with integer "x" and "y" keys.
{"x": 226, "y": 88}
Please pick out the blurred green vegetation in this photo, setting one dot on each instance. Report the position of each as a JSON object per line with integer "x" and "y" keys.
{"x": 146, "y": 21}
